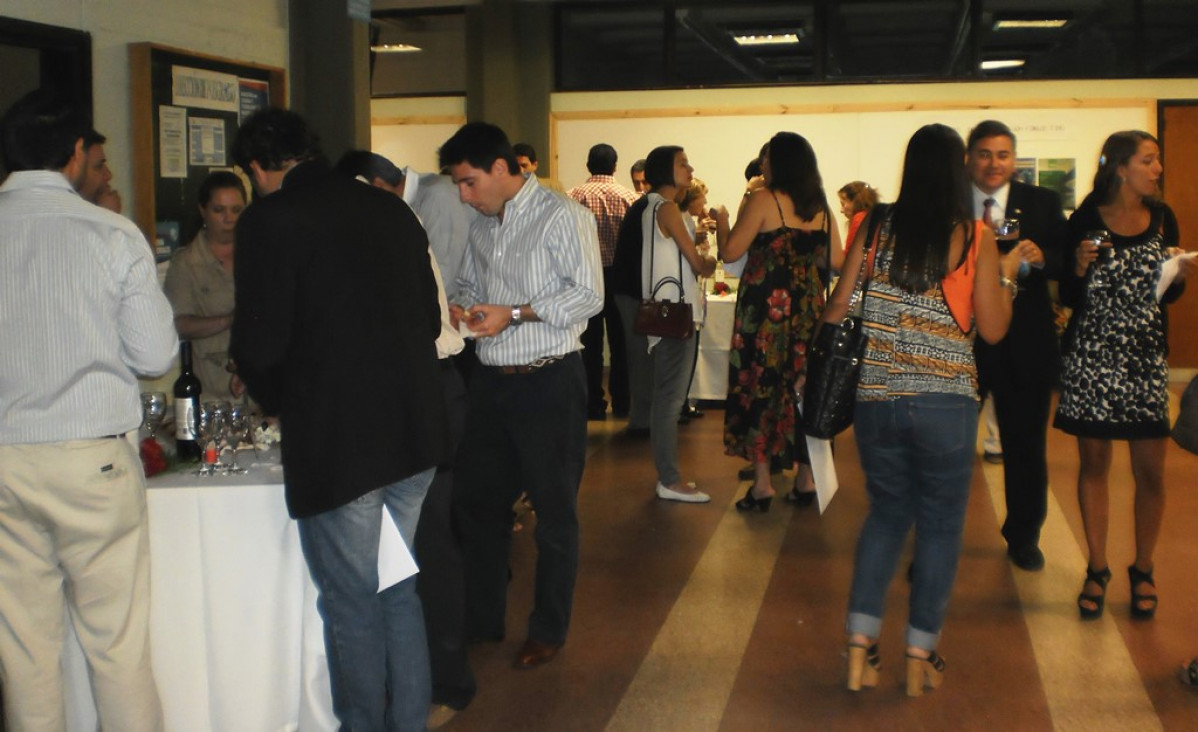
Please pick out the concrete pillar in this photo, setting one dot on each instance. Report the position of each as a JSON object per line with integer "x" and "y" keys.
{"x": 510, "y": 71}
{"x": 330, "y": 73}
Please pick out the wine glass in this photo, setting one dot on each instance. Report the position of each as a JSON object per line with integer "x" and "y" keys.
{"x": 1007, "y": 230}
{"x": 153, "y": 410}
{"x": 209, "y": 426}
{"x": 1100, "y": 238}
{"x": 237, "y": 428}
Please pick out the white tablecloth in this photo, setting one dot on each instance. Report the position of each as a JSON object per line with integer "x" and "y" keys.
{"x": 237, "y": 641}
{"x": 715, "y": 340}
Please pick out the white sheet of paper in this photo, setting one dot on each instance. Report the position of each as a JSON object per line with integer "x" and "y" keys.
{"x": 464, "y": 330}
{"x": 1169, "y": 272}
{"x": 395, "y": 561}
{"x": 823, "y": 469}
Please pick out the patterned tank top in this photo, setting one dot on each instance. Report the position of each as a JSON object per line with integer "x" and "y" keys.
{"x": 913, "y": 345}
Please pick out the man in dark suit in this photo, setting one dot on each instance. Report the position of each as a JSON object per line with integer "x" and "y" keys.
{"x": 334, "y": 329}
{"x": 1021, "y": 370}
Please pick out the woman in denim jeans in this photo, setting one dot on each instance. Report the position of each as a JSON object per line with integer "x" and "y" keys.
{"x": 916, "y": 412}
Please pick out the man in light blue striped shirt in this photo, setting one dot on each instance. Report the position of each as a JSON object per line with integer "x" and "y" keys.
{"x": 530, "y": 280}
{"x": 81, "y": 315}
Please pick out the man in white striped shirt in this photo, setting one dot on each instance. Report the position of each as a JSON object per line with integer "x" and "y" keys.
{"x": 530, "y": 280}
{"x": 81, "y": 314}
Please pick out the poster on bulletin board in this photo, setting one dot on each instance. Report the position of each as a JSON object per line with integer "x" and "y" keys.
{"x": 186, "y": 111}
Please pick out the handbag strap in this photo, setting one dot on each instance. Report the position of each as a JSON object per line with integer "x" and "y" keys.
{"x": 654, "y": 287}
{"x": 875, "y": 220}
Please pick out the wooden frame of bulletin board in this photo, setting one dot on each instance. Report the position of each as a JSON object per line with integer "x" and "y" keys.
{"x": 186, "y": 108}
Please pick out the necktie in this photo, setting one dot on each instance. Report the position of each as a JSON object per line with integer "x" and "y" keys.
{"x": 987, "y": 218}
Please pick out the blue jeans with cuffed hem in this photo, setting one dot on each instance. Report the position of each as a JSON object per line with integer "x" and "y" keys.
{"x": 917, "y": 453}
{"x": 375, "y": 641}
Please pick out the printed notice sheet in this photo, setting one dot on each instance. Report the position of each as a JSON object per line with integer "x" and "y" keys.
{"x": 172, "y": 141}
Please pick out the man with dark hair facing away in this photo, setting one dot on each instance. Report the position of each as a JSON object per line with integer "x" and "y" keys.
{"x": 83, "y": 317}
{"x": 609, "y": 202}
{"x": 334, "y": 331}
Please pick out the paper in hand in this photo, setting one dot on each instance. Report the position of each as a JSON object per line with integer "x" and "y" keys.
{"x": 1169, "y": 272}
{"x": 395, "y": 561}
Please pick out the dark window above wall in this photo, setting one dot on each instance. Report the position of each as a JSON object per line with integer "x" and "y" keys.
{"x": 607, "y": 45}
{"x": 438, "y": 67}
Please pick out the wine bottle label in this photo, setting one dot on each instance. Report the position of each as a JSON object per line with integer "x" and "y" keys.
{"x": 185, "y": 419}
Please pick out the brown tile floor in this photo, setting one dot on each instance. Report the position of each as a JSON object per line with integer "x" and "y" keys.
{"x": 697, "y": 618}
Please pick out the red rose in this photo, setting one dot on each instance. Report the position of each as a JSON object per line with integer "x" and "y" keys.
{"x": 153, "y": 460}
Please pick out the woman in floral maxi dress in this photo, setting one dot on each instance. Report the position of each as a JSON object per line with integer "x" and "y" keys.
{"x": 788, "y": 233}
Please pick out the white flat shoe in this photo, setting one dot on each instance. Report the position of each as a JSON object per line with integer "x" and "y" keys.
{"x": 667, "y": 494}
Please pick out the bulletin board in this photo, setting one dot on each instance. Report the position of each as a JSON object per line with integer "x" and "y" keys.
{"x": 186, "y": 108}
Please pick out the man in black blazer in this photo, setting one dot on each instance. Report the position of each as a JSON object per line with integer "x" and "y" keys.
{"x": 333, "y": 331}
{"x": 1021, "y": 370}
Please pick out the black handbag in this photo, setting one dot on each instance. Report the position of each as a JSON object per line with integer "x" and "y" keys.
{"x": 664, "y": 318}
{"x": 834, "y": 358}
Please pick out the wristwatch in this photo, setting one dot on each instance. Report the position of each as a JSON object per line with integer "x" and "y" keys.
{"x": 1011, "y": 285}
{"x": 516, "y": 317}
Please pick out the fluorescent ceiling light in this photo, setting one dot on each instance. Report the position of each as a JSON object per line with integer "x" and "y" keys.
{"x": 395, "y": 48}
{"x": 1029, "y": 23}
{"x": 1003, "y": 63}
{"x": 767, "y": 40}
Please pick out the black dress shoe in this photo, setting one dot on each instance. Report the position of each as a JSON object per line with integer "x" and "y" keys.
{"x": 1027, "y": 557}
{"x": 534, "y": 653}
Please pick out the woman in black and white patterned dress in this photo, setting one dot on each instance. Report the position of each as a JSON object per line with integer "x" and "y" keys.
{"x": 1114, "y": 380}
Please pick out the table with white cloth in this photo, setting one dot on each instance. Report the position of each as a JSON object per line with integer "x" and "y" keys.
{"x": 237, "y": 641}
{"x": 715, "y": 341}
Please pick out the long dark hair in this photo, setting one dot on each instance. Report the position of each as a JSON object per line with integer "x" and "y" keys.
{"x": 931, "y": 204}
{"x": 1117, "y": 150}
{"x": 793, "y": 171}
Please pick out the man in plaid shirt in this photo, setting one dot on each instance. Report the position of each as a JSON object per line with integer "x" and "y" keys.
{"x": 609, "y": 201}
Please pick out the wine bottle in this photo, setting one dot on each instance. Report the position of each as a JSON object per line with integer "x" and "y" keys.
{"x": 187, "y": 407}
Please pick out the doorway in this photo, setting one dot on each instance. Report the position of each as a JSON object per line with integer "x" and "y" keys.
{"x": 34, "y": 55}
{"x": 1178, "y": 126}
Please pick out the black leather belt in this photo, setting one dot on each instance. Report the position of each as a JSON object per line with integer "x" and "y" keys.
{"x": 529, "y": 368}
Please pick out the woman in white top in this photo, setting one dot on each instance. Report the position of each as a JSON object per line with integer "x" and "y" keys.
{"x": 670, "y": 268}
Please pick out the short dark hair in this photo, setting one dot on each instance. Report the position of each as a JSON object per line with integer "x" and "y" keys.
{"x": 272, "y": 137}
{"x": 659, "y": 166}
{"x": 989, "y": 128}
{"x": 480, "y": 144}
{"x": 39, "y": 132}
{"x": 220, "y": 179}
{"x": 601, "y": 160}
{"x": 638, "y": 166}
{"x": 524, "y": 150}
{"x": 753, "y": 169}
{"x": 369, "y": 165}
{"x": 93, "y": 138}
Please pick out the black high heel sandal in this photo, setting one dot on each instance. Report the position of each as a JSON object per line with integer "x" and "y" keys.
{"x": 800, "y": 499}
{"x": 749, "y": 503}
{"x": 1138, "y": 578}
{"x": 1100, "y": 578}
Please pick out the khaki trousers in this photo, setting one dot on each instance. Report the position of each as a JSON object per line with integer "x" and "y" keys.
{"x": 73, "y": 534}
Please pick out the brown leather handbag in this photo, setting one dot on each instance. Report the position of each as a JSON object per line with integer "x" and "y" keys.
{"x": 665, "y": 318}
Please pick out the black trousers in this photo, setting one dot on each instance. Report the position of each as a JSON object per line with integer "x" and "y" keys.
{"x": 524, "y": 432}
{"x": 592, "y": 355}
{"x": 440, "y": 583}
{"x": 1022, "y": 413}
